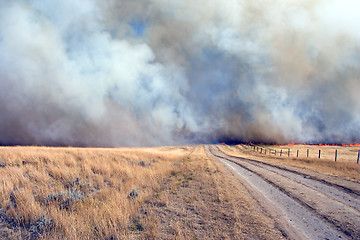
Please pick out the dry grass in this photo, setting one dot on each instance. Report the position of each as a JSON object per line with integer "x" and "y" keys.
{"x": 77, "y": 192}
{"x": 203, "y": 200}
{"x": 345, "y": 167}
{"x": 83, "y": 193}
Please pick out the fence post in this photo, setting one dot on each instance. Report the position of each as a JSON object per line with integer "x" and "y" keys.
{"x": 275, "y": 152}
{"x": 307, "y": 153}
{"x": 335, "y": 155}
{"x": 260, "y": 150}
{"x": 265, "y": 151}
{"x": 297, "y": 153}
{"x": 319, "y": 152}
{"x": 280, "y": 152}
{"x": 288, "y": 152}
{"x": 257, "y": 148}
{"x": 358, "y": 157}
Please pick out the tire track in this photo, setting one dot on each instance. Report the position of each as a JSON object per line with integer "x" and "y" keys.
{"x": 328, "y": 180}
{"x": 342, "y": 194}
{"x": 326, "y": 205}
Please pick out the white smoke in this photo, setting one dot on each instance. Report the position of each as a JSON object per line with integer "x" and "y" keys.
{"x": 136, "y": 72}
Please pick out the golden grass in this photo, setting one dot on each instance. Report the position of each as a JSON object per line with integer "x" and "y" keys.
{"x": 79, "y": 191}
{"x": 83, "y": 193}
{"x": 345, "y": 167}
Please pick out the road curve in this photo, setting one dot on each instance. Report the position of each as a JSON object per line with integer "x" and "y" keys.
{"x": 304, "y": 207}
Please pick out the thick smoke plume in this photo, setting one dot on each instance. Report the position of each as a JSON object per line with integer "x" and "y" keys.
{"x": 154, "y": 72}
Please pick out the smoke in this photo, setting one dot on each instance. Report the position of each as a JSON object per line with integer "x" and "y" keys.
{"x": 164, "y": 72}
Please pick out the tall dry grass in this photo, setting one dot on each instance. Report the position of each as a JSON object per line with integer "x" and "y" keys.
{"x": 77, "y": 193}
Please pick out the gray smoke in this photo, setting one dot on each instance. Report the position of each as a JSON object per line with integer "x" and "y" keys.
{"x": 164, "y": 72}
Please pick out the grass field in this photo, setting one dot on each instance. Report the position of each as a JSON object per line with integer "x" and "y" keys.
{"x": 345, "y": 167}
{"x": 124, "y": 193}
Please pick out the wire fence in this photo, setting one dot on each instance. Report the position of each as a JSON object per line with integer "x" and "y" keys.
{"x": 304, "y": 152}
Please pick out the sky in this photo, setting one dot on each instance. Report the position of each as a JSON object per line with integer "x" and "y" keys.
{"x": 166, "y": 72}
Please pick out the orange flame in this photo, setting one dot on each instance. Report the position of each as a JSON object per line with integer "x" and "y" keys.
{"x": 356, "y": 144}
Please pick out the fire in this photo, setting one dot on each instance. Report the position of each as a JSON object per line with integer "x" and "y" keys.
{"x": 356, "y": 144}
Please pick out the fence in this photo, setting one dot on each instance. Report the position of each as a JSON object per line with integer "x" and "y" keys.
{"x": 287, "y": 152}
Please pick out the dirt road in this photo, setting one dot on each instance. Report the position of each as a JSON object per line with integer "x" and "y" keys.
{"x": 305, "y": 204}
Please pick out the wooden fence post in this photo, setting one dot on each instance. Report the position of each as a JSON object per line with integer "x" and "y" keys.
{"x": 288, "y": 152}
{"x": 335, "y": 155}
{"x": 358, "y": 157}
{"x": 319, "y": 152}
{"x": 275, "y": 152}
{"x": 297, "y": 153}
{"x": 280, "y": 152}
{"x": 307, "y": 153}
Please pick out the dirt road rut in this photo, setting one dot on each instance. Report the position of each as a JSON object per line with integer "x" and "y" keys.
{"x": 304, "y": 206}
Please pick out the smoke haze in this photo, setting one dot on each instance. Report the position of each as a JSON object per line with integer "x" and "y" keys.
{"x": 166, "y": 72}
